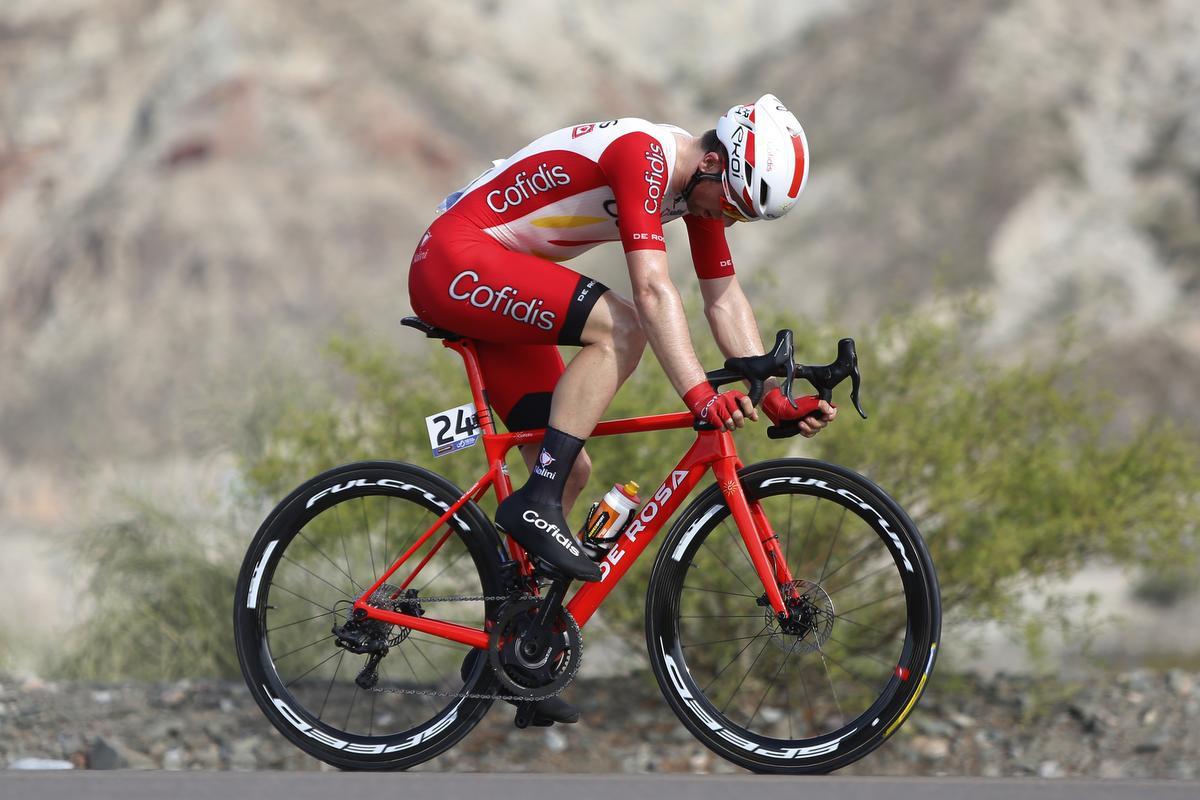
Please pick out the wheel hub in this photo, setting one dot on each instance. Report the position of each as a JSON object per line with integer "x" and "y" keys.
{"x": 809, "y": 623}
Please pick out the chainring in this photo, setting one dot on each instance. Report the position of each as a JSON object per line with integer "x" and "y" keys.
{"x": 541, "y": 675}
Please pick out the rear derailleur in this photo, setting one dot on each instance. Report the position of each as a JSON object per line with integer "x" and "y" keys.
{"x": 373, "y": 638}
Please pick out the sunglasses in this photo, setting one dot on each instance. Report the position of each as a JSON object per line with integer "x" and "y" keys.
{"x": 731, "y": 204}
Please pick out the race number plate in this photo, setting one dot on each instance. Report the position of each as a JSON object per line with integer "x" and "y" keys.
{"x": 453, "y": 429}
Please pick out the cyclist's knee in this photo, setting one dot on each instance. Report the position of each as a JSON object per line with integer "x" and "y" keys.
{"x": 629, "y": 340}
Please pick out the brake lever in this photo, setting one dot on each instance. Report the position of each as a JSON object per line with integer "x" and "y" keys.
{"x": 847, "y": 354}
{"x": 784, "y": 340}
{"x": 825, "y": 378}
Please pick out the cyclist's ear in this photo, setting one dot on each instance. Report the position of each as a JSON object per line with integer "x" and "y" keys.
{"x": 710, "y": 163}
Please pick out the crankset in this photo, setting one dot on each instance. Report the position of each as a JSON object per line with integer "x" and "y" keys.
{"x": 532, "y": 663}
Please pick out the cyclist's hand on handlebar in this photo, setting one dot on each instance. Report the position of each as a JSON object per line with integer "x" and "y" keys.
{"x": 725, "y": 410}
{"x": 811, "y": 413}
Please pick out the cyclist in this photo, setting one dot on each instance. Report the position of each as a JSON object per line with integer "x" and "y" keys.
{"x": 488, "y": 268}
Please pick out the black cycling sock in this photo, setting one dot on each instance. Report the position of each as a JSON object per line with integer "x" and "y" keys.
{"x": 552, "y": 466}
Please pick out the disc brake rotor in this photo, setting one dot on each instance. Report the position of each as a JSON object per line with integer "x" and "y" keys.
{"x": 810, "y": 622}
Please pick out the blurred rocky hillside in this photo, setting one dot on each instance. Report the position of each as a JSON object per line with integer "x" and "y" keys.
{"x": 194, "y": 193}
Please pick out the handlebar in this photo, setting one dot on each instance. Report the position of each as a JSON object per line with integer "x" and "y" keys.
{"x": 780, "y": 363}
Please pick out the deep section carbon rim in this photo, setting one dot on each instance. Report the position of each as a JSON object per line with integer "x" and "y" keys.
{"x": 321, "y": 550}
{"x": 840, "y": 674}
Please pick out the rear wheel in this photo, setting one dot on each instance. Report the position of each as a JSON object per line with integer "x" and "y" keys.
{"x": 832, "y": 682}
{"x": 399, "y": 700}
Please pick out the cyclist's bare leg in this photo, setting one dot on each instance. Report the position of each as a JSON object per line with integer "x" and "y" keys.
{"x": 613, "y": 343}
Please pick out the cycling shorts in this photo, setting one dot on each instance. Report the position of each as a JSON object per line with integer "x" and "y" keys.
{"x": 517, "y": 306}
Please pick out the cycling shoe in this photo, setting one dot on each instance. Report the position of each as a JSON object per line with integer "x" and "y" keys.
{"x": 551, "y": 710}
{"x": 542, "y": 530}
{"x": 545, "y": 712}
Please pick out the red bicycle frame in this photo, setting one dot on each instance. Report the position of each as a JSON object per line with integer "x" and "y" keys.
{"x": 712, "y": 449}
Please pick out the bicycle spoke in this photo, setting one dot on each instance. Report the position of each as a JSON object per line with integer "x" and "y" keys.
{"x": 735, "y": 658}
{"x": 727, "y": 567}
{"x": 871, "y": 574}
{"x": 304, "y": 647}
{"x": 416, "y": 677}
{"x": 367, "y": 529}
{"x": 300, "y": 677}
{"x": 412, "y": 637}
{"x": 832, "y": 688}
{"x": 720, "y": 616}
{"x": 833, "y": 544}
{"x": 337, "y": 516}
{"x": 387, "y": 522}
{"x": 736, "y": 535}
{"x": 850, "y": 672}
{"x": 432, "y": 666}
{"x": 810, "y": 717}
{"x": 812, "y": 523}
{"x": 862, "y": 652}
{"x": 297, "y": 622}
{"x": 745, "y": 675}
{"x": 723, "y": 641}
{"x": 770, "y": 686}
{"x": 868, "y": 546}
{"x": 787, "y": 694}
{"x": 350, "y": 710}
{"x": 337, "y": 668}
{"x": 386, "y": 681}
{"x": 893, "y": 636}
{"x": 318, "y": 577}
{"x": 371, "y": 719}
{"x": 718, "y": 591}
{"x": 442, "y": 570}
{"x": 336, "y": 566}
{"x": 843, "y": 614}
{"x": 302, "y": 597}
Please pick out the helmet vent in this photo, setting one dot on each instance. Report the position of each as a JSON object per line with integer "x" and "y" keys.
{"x": 763, "y": 193}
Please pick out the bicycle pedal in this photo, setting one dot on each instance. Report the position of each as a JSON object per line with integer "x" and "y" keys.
{"x": 525, "y": 714}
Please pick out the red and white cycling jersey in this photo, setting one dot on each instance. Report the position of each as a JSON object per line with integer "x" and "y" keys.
{"x": 486, "y": 267}
{"x": 586, "y": 185}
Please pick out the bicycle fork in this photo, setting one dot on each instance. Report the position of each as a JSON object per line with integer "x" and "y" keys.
{"x": 760, "y": 539}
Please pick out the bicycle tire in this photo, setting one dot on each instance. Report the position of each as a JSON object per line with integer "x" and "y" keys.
{"x": 834, "y": 736}
{"x": 288, "y": 545}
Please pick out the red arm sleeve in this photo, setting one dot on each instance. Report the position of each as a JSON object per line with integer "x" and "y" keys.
{"x": 710, "y": 251}
{"x": 636, "y": 168}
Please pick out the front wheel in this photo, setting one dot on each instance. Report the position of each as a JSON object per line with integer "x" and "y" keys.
{"x": 824, "y": 688}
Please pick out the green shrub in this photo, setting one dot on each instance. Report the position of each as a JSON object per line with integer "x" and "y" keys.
{"x": 160, "y": 598}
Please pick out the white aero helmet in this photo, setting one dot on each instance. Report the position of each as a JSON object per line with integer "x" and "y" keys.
{"x": 768, "y": 159}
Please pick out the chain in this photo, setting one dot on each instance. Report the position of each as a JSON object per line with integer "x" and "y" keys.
{"x": 476, "y": 695}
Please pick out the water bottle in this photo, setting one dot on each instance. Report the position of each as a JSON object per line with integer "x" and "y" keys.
{"x": 608, "y": 517}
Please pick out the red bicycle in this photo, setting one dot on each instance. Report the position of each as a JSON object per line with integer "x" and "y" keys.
{"x": 792, "y": 614}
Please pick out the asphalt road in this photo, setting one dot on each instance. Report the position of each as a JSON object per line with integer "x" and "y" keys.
{"x": 418, "y": 786}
